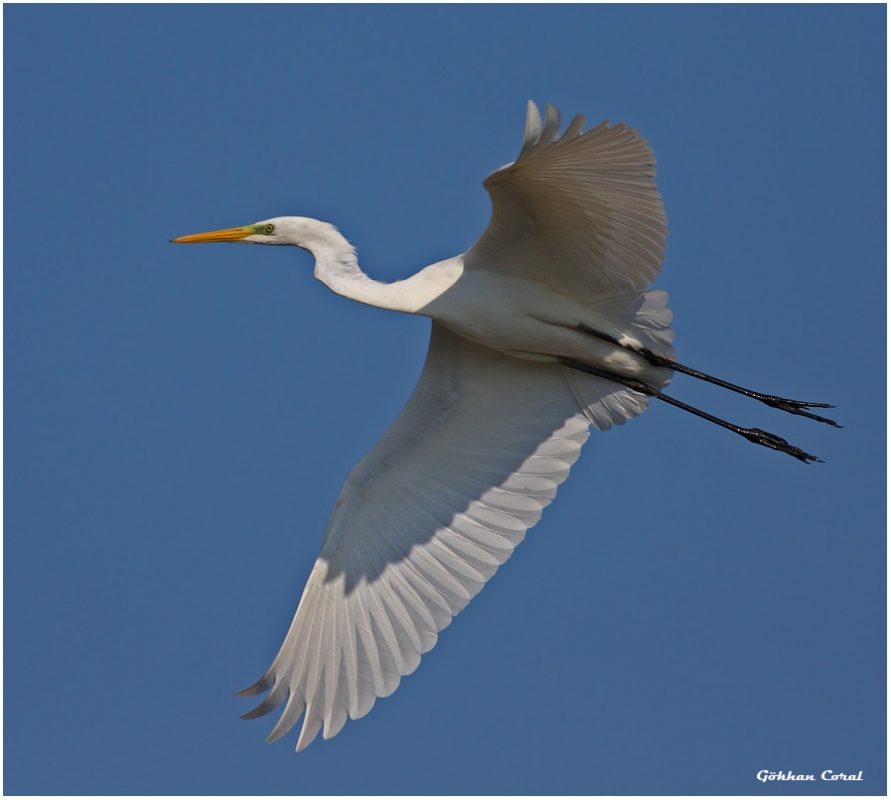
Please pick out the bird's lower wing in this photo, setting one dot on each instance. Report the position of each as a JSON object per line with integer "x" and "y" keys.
{"x": 424, "y": 520}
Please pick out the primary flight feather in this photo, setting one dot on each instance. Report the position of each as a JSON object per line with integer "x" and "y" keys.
{"x": 542, "y": 329}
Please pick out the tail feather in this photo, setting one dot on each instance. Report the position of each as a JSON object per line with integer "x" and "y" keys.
{"x": 644, "y": 316}
{"x": 638, "y": 318}
{"x": 603, "y": 402}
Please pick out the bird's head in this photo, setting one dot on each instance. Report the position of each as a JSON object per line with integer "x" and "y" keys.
{"x": 297, "y": 231}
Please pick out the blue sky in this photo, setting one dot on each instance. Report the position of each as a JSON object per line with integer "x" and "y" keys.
{"x": 179, "y": 420}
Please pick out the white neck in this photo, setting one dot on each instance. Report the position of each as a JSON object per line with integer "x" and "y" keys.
{"x": 338, "y": 268}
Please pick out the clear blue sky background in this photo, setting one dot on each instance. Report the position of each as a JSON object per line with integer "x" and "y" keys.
{"x": 179, "y": 420}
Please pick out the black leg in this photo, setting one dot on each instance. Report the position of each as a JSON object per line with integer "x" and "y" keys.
{"x": 755, "y": 435}
{"x": 791, "y": 406}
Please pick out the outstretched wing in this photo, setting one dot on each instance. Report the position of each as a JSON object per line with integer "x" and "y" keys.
{"x": 578, "y": 212}
{"x": 424, "y": 520}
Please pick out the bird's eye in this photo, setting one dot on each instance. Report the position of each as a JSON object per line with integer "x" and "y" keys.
{"x": 270, "y": 228}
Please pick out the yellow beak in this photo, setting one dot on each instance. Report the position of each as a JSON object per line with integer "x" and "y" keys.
{"x": 227, "y": 235}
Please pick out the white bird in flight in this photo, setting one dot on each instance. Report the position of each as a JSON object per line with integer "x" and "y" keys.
{"x": 542, "y": 329}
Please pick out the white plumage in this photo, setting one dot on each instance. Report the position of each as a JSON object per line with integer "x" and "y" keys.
{"x": 579, "y": 212}
{"x": 554, "y": 290}
{"x": 423, "y": 521}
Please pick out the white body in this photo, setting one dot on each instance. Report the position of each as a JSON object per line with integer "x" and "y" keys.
{"x": 494, "y": 425}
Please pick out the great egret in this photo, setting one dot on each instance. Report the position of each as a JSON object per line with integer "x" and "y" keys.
{"x": 543, "y": 328}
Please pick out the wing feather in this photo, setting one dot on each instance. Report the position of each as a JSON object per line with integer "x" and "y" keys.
{"x": 423, "y": 521}
{"x": 579, "y": 213}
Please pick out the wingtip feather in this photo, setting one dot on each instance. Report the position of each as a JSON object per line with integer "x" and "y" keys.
{"x": 551, "y": 130}
{"x": 576, "y": 127}
{"x": 258, "y": 688}
{"x": 533, "y": 127}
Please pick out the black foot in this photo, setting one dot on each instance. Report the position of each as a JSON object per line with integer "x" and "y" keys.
{"x": 796, "y": 407}
{"x": 774, "y": 442}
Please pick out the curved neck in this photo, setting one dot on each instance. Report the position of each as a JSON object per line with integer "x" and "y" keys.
{"x": 337, "y": 266}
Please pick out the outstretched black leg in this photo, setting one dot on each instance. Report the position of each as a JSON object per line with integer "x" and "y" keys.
{"x": 791, "y": 406}
{"x": 752, "y": 434}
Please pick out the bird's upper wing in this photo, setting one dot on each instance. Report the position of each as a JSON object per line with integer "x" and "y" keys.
{"x": 578, "y": 212}
{"x": 424, "y": 520}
